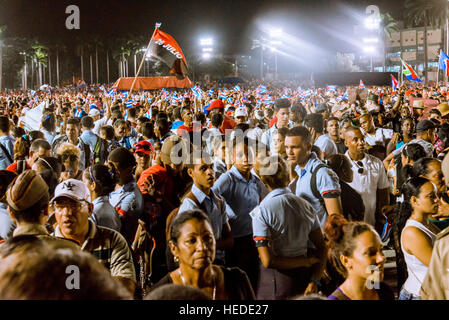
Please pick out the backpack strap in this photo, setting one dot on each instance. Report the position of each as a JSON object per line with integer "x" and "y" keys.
{"x": 6, "y": 152}
{"x": 313, "y": 184}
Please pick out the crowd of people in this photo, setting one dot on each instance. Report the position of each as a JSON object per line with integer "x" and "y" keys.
{"x": 240, "y": 192}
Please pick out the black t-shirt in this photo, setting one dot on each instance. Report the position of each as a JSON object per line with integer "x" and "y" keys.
{"x": 352, "y": 203}
{"x": 341, "y": 148}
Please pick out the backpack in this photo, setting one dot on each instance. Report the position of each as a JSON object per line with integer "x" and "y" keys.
{"x": 86, "y": 148}
{"x": 101, "y": 151}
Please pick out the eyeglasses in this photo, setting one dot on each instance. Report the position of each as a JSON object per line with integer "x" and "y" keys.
{"x": 72, "y": 206}
{"x": 71, "y": 157}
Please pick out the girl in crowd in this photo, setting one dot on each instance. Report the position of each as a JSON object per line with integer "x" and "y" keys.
{"x": 283, "y": 226}
{"x": 404, "y": 136}
{"x": 414, "y": 234}
{"x": 355, "y": 250}
{"x": 70, "y": 157}
{"x": 101, "y": 180}
{"x": 21, "y": 152}
{"x": 192, "y": 244}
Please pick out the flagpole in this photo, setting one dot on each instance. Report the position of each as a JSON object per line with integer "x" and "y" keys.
{"x": 142, "y": 61}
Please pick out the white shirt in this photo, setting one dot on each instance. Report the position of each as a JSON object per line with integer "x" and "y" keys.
{"x": 373, "y": 177}
{"x": 100, "y": 123}
{"x": 381, "y": 137}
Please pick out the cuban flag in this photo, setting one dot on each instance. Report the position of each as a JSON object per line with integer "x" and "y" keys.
{"x": 245, "y": 100}
{"x": 149, "y": 113}
{"x": 230, "y": 101}
{"x": 79, "y": 113}
{"x": 123, "y": 95}
{"x": 103, "y": 90}
{"x": 164, "y": 92}
{"x": 394, "y": 83}
{"x": 112, "y": 92}
{"x": 237, "y": 88}
{"x": 126, "y": 116}
{"x": 332, "y": 88}
{"x": 32, "y": 93}
{"x": 221, "y": 94}
{"x": 129, "y": 104}
{"x": 211, "y": 92}
{"x": 409, "y": 73}
{"x": 197, "y": 92}
{"x": 80, "y": 84}
{"x": 361, "y": 85}
{"x": 443, "y": 63}
{"x": 261, "y": 89}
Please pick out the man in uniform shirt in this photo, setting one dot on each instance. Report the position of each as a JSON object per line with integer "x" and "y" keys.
{"x": 298, "y": 145}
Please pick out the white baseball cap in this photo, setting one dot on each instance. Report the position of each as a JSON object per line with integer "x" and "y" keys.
{"x": 73, "y": 189}
{"x": 241, "y": 112}
{"x": 94, "y": 112}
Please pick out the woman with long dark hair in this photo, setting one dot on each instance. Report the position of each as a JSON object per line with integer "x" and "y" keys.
{"x": 414, "y": 234}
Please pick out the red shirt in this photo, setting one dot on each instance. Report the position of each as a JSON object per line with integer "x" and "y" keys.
{"x": 13, "y": 167}
{"x": 272, "y": 122}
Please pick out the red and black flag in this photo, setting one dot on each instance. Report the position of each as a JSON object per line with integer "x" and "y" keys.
{"x": 165, "y": 49}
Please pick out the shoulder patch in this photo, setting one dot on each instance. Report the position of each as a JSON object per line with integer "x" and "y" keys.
{"x": 443, "y": 233}
{"x": 255, "y": 212}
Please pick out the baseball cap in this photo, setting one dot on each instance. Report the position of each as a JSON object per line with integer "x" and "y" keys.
{"x": 73, "y": 189}
{"x": 26, "y": 190}
{"x": 424, "y": 125}
{"x": 241, "y": 112}
{"x": 143, "y": 146}
{"x": 216, "y": 104}
{"x": 94, "y": 112}
{"x": 418, "y": 104}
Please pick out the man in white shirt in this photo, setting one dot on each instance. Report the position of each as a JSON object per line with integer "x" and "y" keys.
{"x": 370, "y": 177}
{"x": 373, "y": 136}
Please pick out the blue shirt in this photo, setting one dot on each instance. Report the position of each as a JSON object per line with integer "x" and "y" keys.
{"x": 286, "y": 220}
{"x": 217, "y": 214}
{"x": 219, "y": 167}
{"x": 105, "y": 215}
{"x": 90, "y": 138}
{"x": 7, "y": 226}
{"x": 327, "y": 183}
{"x": 242, "y": 196}
{"x": 127, "y": 200}
{"x": 8, "y": 143}
{"x": 48, "y": 136}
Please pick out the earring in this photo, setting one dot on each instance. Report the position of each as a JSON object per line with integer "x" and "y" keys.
{"x": 176, "y": 259}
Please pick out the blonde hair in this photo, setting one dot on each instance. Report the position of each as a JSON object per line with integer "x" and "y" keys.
{"x": 68, "y": 149}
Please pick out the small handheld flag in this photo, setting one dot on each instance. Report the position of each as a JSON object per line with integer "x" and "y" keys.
{"x": 409, "y": 73}
{"x": 394, "y": 83}
{"x": 361, "y": 85}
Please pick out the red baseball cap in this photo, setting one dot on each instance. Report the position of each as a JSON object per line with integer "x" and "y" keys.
{"x": 143, "y": 146}
{"x": 216, "y": 104}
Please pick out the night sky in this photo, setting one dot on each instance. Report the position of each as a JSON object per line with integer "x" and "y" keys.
{"x": 233, "y": 23}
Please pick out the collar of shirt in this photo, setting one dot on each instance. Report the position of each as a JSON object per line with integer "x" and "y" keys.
{"x": 308, "y": 166}
{"x": 239, "y": 176}
{"x": 99, "y": 200}
{"x": 90, "y": 234}
{"x": 200, "y": 195}
{"x": 30, "y": 229}
{"x": 354, "y": 161}
{"x": 277, "y": 192}
{"x": 219, "y": 162}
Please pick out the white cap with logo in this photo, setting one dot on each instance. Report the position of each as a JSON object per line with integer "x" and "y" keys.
{"x": 73, "y": 189}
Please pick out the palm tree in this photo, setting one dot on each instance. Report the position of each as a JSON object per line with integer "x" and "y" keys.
{"x": 389, "y": 25}
{"x": 40, "y": 54}
{"x": 426, "y": 13}
{"x": 2, "y": 30}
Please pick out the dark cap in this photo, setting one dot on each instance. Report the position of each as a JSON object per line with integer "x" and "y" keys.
{"x": 424, "y": 125}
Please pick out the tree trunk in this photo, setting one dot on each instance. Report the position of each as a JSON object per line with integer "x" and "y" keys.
{"x": 1, "y": 64}
{"x": 91, "y": 70}
{"x": 57, "y": 66}
{"x": 49, "y": 69}
{"x": 40, "y": 73}
{"x": 82, "y": 66}
{"x": 96, "y": 62}
{"x": 25, "y": 71}
{"x": 107, "y": 64}
{"x": 425, "y": 53}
